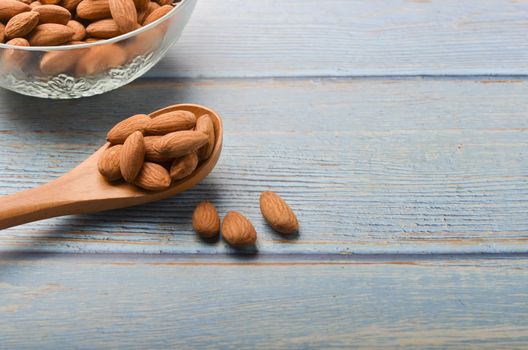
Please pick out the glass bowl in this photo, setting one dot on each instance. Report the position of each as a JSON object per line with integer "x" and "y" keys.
{"x": 73, "y": 71}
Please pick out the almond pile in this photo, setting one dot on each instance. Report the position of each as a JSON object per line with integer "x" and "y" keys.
{"x": 236, "y": 229}
{"x": 151, "y": 152}
{"x": 65, "y": 22}
{"x": 71, "y": 22}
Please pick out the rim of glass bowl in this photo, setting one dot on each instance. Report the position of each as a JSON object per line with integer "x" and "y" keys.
{"x": 116, "y": 39}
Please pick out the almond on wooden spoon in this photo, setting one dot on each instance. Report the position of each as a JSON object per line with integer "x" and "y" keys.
{"x": 85, "y": 190}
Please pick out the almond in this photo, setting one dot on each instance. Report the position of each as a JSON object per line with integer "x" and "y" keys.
{"x": 26, "y": 1}
{"x": 180, "y": 143}
{"x": 11, "y": 8}
{"x": 2, "y": 32}
{"x": 120, "y": 132}
{"x": 124, "y": 14}
{"x": 21, "y": 24}
{"x": 147, "y": 10}
{"x": 104, "y": 29}
{"x": 157, "y": 14}
{"x": 14, "y": 59}
{"x": 170, "y": 122}
{"x": 132, "y": 156}
{"x": 151, "y": 151}
{"x": 78, "y": 30}
{"x": 108, "y": 163}
{"x": 144, "y": 42}
{"x": 153, "y": 177}
{"x": 93, "y": 9}
{"x": 205, "y": 124}
{"x": 205, "y": 220}
{"x": 53, "y": 14}
{"x": 50, "y": 34}
{"x": 35, "y": 4}
{"x": 70, "y": 5}
{"x": 56, "y": 62}
{"x": 165, "y": 2}
{"x": 100, "y": 59}
{"x": 50, "y": 2}
{"x": 278, "y": 213}
{"x": 184, "y": 166}
{"x": 141, "y": 4}
{"x": 237, "y": 230}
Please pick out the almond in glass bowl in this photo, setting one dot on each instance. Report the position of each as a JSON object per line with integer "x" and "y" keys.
{"x": 84, "y": 54}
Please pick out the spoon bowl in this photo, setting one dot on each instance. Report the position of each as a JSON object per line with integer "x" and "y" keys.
{"x": 84, "y": 190}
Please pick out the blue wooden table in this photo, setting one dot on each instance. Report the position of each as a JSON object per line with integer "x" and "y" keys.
{"x": 397, "y": 130}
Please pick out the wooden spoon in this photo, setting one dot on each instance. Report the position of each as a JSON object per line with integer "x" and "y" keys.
{"x": 84, "y": 190}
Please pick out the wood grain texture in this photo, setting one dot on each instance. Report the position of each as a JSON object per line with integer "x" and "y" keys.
{"x": 369, "y": 165}
{"x": 239, "y": 38}
{"x": 93, "y": 302}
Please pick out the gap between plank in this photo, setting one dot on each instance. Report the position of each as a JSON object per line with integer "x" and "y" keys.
{"x": 262, "y": 259}
{"x": 492, "y": 77}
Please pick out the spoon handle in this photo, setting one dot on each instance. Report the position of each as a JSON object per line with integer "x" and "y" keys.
{"x": 38, "y": 203}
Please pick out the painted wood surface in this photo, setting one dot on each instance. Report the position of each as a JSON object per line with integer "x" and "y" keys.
{"x": 240, "y": 38}
{"x": 412, "y": 192}
{"x": 99, "y": 302}
{"x": 370, "y": 165}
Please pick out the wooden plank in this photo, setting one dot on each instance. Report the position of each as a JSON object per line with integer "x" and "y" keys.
{"x": 239, "y": 38}
{"x": 125, "y": 302}
{"x": 371, "y": 166}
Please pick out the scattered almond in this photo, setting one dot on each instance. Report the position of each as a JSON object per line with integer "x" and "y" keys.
{"x": 237, "y": 230}
{"x": 157, "y": 14}
{"x": 180, "y": 143}
{"x": 21, "y": 24}
{"x": 170, "y": 122}
{"x": 153, "y": 177}
{"x": 205, "y": 125}
{"x": 108, "y": 164}
{"x": 132, "y": 156}
{"x": 205, "y": 220}
{"x": 49, "y": 34}
{"x": 120, "y": 132}
{"x": 124, "y": 14}
{"x": 184, "y": 166}
{"x": 278, "y": 213}
{"x": 52, "y": 14}
{"x": 79, "y": 32}
{"x": 10, "y": 8}
{"x": 35, "y": 4}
